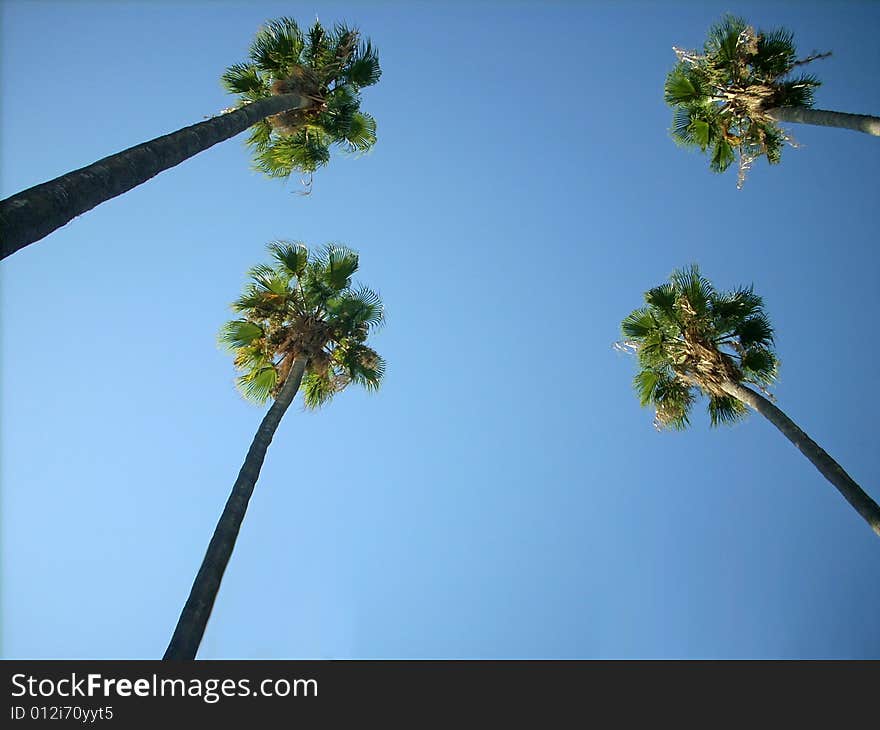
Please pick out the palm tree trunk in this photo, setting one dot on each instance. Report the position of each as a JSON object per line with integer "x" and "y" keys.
{"x": 194, "y": 617}
{"x": 820, "y": 117}
{"x": 34, "y": 213}
{"x": 830, "y": 469}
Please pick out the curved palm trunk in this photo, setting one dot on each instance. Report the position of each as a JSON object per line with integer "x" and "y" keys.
{"x": 821, "y": 117}
{"x": 194, "y": 617}
{"x": 34, "y": 213}
{"x": 830, "y": 469}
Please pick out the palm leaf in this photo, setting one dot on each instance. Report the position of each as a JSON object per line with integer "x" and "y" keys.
{"x": 277, "y": 47}
{"x": 318, "y": 388}
{"x": 245, "y": 79}
{"x": 257, "y": 385}
{"x": 725, "y": 409}
{"x": 722, "y": 156}
{"x": 239, "y": 333}
{"x": 363, "y": 70}
{"x": 339, "y": 265}
{"x": 293, "y": 257}
{"x": 760, "y": 365}
{"x": 361, "y": 133}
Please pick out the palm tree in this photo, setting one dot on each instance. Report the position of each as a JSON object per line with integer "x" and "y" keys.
{"x": 301, "y": 322}
{"x": 729, "y": 100}
{"x": 300, "y": 92}
{"x": 691, "y": 339}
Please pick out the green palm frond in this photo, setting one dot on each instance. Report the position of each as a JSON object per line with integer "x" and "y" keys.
{"x": 797, "y": 92}
{"x": 277, "y": 47}
{"x": 361, "y": 133}
{"x": 644, "y": 383}
{"x": 318, "y": 51}
{"x": 760, "y": 366}
{"x": 726, "y": 410}
{"x": 695, "y": 288}
{"x": 356, "y": 308}
{"x": 672, "y": 401}
{"x": 723, "y": 156}
{"x": 257, "y": 385}
{"x": 776, "y": 53}
{"x": 304, "y": 152}
{"x": 363, "y": 70}
{"x": 754, "y": 331}
{"x": 245, "y": 79}
{"x": 239, "y": 333}
{"x": 270, "y": 280}
{"x": 260, "y": 135}
{"x": 360, "y": 364}
{"x": 774, "y": 141}
{"x": 339, "y": 264}
{"x": 694, "y": 126}
{"x": 638, "y": 324}
{"x": 662, "y": 299}
{"x": 291, "y": 256}
{"x": 318, "y": 388}
{"x": 723, "y": 41}
{"x": 683, "y": 86}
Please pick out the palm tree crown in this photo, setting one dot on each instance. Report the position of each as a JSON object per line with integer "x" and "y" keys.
{"x": 691, "y": 338}
{"x": 304, "y": 308}
{"x": 328, "y": 68}
{"x": 722, "y": 97}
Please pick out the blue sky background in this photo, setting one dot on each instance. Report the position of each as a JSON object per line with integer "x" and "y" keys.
{"x": 503, "y": 495}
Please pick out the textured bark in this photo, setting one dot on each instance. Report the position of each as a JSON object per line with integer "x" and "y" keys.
{"x": 820, "y": 117}
{"x": 197, "y": 610}
{"x": 34, "y": 213}
{"x": 829, "y": 468}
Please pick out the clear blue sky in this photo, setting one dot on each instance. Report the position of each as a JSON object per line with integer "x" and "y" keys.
{"x": 503, "y": 495}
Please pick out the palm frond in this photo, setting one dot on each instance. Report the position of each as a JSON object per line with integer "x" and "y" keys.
{"x": 723, "y": 40}
{"x": 318, "y": 388}
{"x": 797, "y": 91}
{"x": 260, "y": 135}
{"x": 355, "y": 308}
{"x": 776, "y": 53}
{"x": 725, "y": 410}
{"x": 672, "y": 401}
{"x": 245, "y": 79}
{"x": 638, "y": 324}
{"x": 292, "y": 257}
{"x": 318, "y": 52}
{"x": 303, "y": 152}
{"x": 364, "y": 69}
{"x": 257, "y": 385}
{"x": 361, "y": 133}
{"x": 754, "y": 331}
{"x": 239, "y": 333}
{"x": 683, "y": 87}
{"x": 722, "y": 156}
{"x": 689, "y": 283}
{"x": 760, "y": 366}
{"x": 277, "y": 47}
{"x": 339, "y": 264}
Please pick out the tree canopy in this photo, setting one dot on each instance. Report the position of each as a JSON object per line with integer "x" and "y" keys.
{"x": 328, "y": 67}
{"x": 690, "y": 338}
{"x": 305, "y": 306}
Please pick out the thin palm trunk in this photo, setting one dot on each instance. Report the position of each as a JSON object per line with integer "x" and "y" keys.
{"x": 197, "y": 610}
{"x": 823, "y": 118}
{"x": 34, "y": 213}
{"x": 829, "y": 468}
